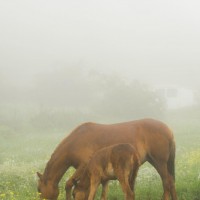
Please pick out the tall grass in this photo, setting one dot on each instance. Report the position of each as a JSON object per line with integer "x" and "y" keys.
{"x": 22, "y": 155}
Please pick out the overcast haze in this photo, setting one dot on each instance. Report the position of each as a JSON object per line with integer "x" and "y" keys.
{"x": 67, "y": 62}
{"x": 153, "y": 41}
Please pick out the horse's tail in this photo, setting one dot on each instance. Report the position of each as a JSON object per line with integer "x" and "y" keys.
{"x": 171, "y": 160}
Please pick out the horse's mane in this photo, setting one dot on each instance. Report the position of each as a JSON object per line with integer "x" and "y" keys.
{"x": 49, "y": 166}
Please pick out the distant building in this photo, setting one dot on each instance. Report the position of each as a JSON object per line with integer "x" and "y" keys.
{"x": 176, "y": 97}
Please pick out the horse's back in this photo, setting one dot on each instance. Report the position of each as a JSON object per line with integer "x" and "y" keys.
{"x": 151, "y": 137}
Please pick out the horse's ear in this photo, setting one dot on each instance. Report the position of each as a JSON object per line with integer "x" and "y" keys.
{"x": 39, "y": 175}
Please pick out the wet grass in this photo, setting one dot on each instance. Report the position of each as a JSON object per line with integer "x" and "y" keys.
{"x": 22, "y": 155}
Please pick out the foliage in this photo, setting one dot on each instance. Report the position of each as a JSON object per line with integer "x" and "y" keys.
{"x": 70, "y": 96}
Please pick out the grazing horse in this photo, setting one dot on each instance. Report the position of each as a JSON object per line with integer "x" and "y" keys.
{"x": 153, "y": 140}
{"x": 120, "y": 161}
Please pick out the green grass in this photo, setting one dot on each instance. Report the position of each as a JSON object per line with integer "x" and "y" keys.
{"x": 22, "y": 155}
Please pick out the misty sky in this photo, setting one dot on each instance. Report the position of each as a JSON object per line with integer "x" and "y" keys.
{"x": 154, "y": 41}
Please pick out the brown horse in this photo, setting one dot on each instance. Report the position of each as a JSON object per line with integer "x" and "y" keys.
{"x": 120, "y": 161}
{"x": 153, "y": 140}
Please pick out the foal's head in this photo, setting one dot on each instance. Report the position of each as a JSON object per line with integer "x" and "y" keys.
{"x": 47, "y": 189}
{"x": 80, "y": 192}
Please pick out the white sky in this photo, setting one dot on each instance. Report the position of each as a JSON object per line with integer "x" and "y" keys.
{"x": 153, "y": 41}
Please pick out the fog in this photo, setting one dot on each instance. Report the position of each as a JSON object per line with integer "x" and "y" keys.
{"x": 65, "y": 62}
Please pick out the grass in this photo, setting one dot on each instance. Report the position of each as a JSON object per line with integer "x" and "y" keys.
{"x": 22, "y": 155}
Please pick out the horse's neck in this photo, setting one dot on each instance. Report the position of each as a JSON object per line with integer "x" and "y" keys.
{"x": 55, "y": 168}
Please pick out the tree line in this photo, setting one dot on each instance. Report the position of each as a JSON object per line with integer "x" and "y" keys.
{"x": 68, "y": 96}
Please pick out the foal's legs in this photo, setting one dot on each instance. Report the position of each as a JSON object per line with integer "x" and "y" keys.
{"x": 94, "y": 183}
{"x": 123, "y": 177}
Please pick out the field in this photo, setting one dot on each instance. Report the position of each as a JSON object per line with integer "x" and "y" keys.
{"x": 23, "y": 154}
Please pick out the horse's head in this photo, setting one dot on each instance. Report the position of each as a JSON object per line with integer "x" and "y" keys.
{"x": 47, "y": 189}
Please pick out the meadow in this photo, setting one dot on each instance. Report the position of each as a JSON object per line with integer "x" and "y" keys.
{"x": 23, "y": 154}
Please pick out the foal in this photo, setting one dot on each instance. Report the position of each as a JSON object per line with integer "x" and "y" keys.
{"x": 119, "y": 161}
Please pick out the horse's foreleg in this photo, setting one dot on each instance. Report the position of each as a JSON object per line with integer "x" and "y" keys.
{"x": 70, "y": 183}
{"x": 104, "y": 190}
{"x": 132, "y": 178}
{"x": 68, "y": 188}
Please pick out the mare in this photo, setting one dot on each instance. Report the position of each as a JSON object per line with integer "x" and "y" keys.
{"x": 153, "y": 140}
{"x": 120, "y": 161}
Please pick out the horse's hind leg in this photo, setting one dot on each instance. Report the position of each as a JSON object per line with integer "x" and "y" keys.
{"x": 168, "y": 182}
{"x": 172, "y": 188}
{"x": 163, "y": 171}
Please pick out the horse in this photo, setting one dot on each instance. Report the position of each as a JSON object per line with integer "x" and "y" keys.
{"x": 153, "y": 140}
{"x": 120, "y": 161}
